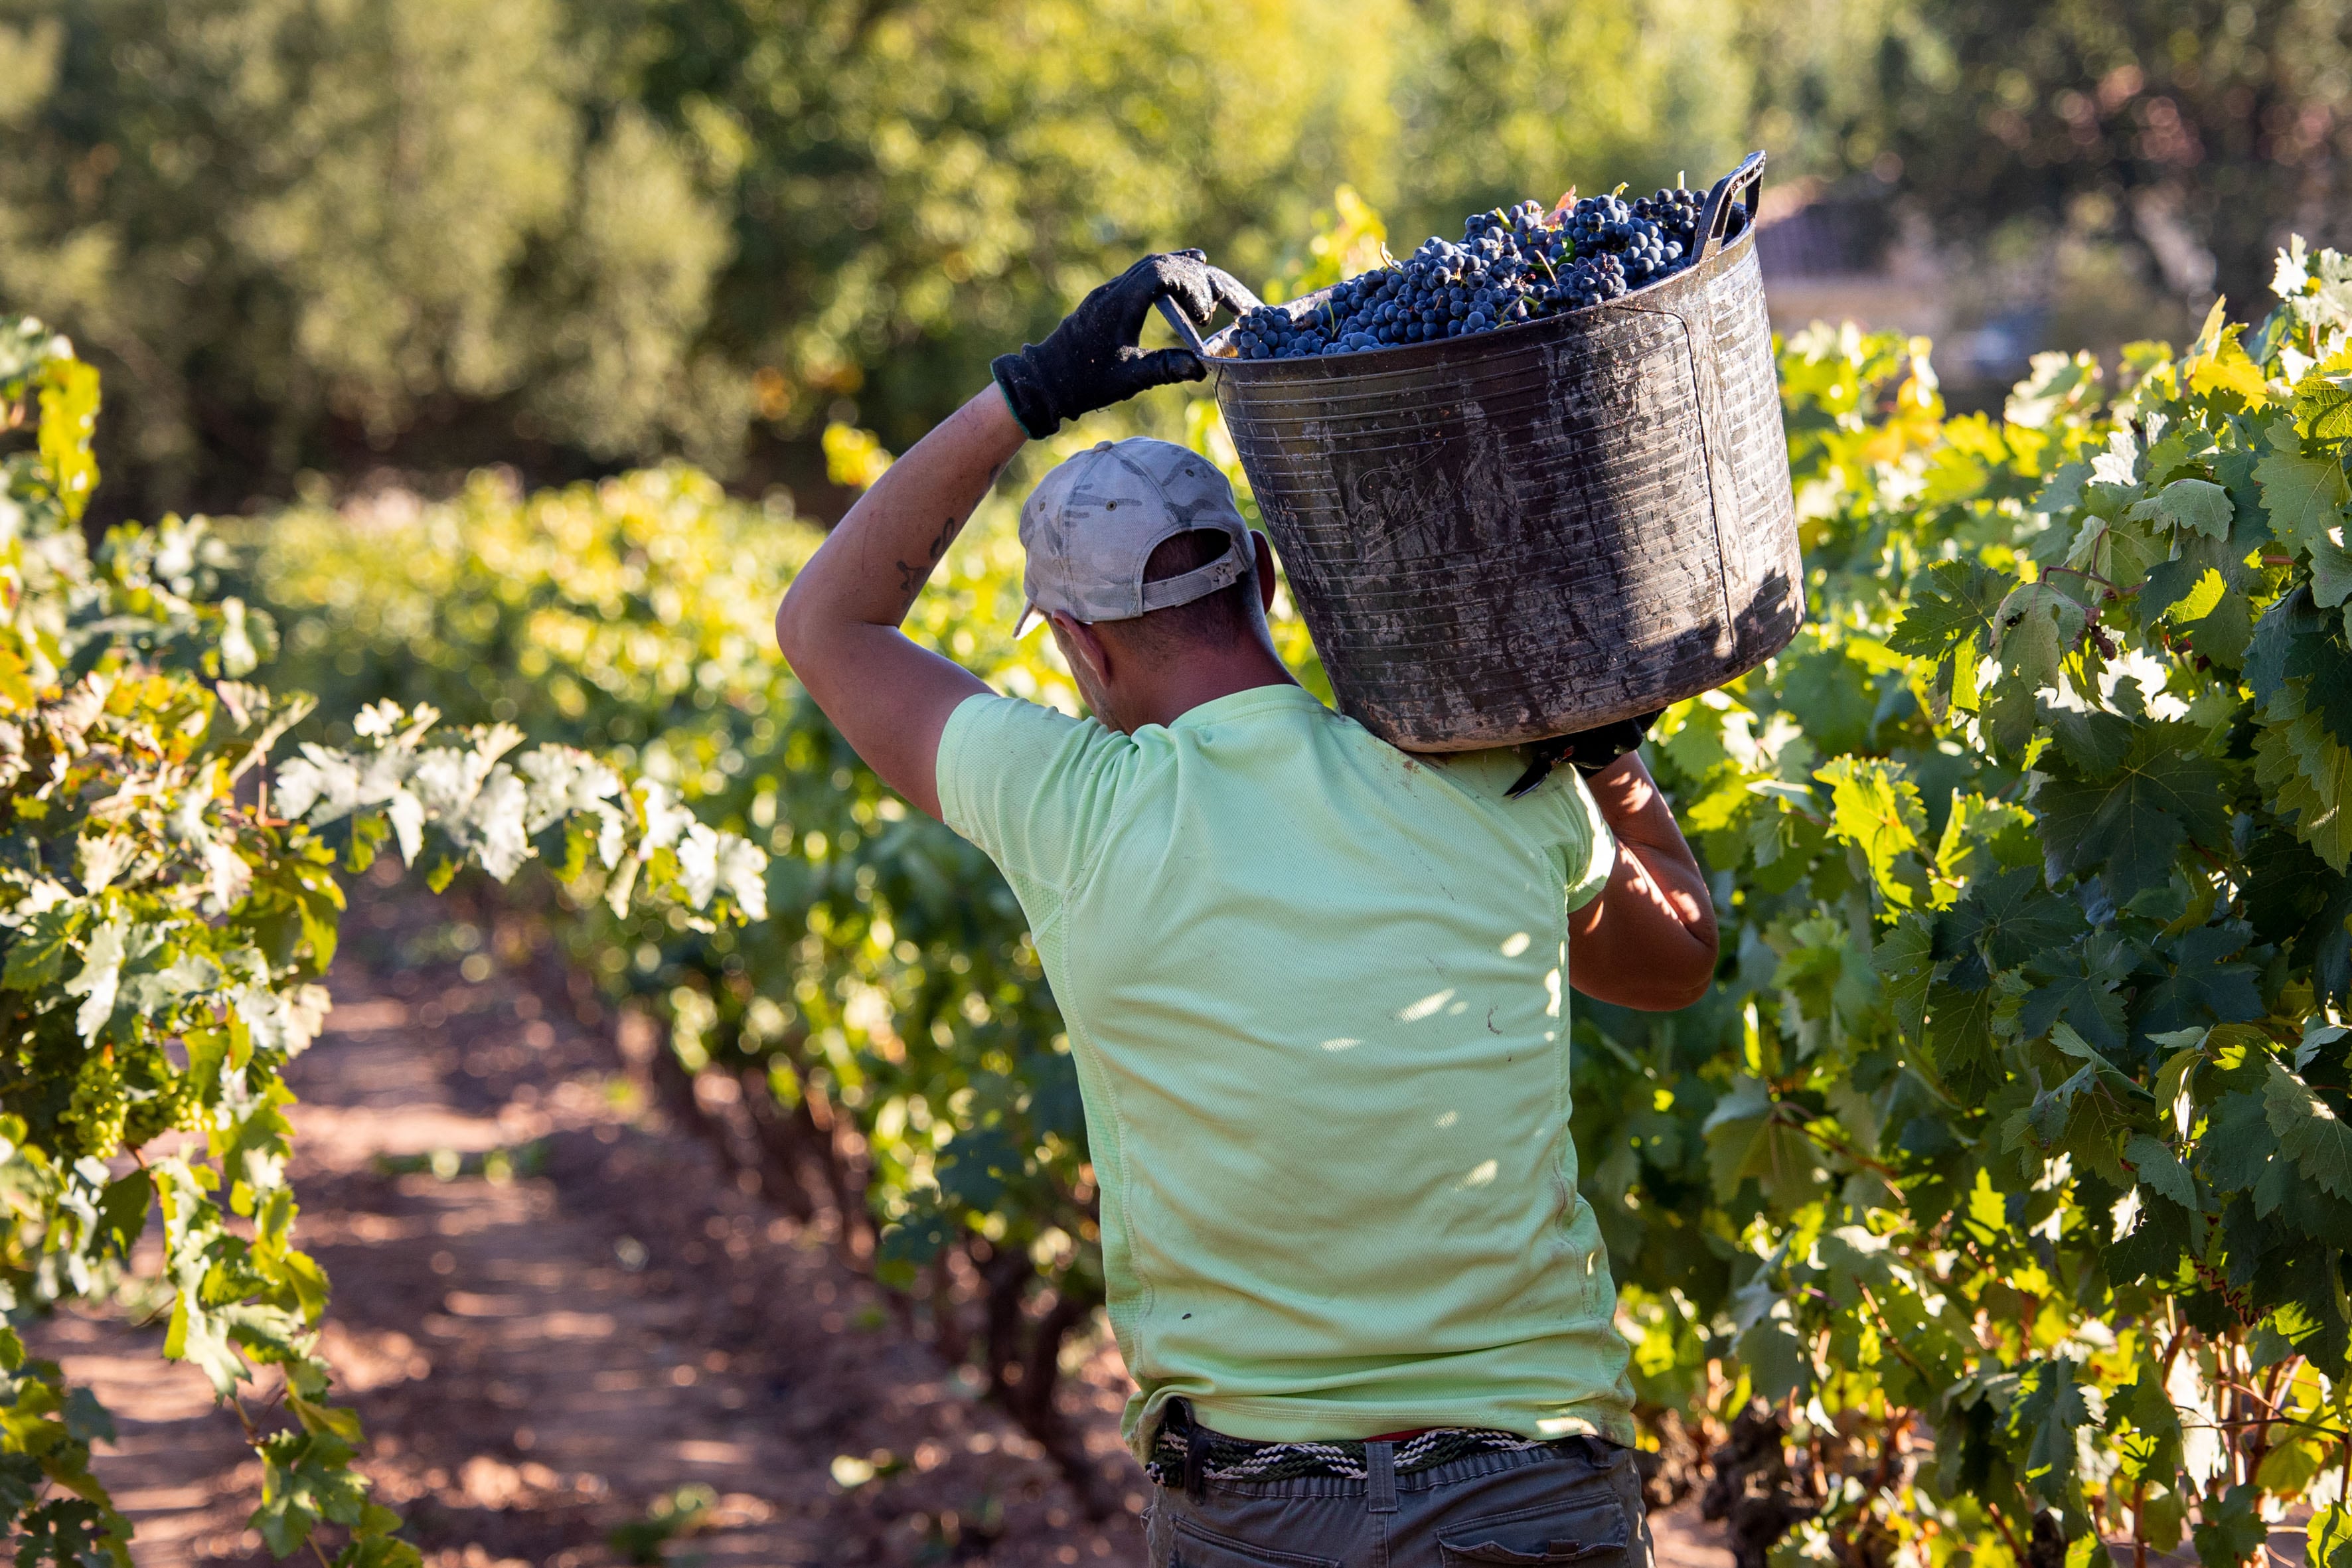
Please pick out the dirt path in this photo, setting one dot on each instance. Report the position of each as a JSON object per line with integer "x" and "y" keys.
{"x": 541, "y": 1356}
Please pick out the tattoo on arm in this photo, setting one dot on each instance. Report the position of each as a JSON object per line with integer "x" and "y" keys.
{"x": 912, "y": 577}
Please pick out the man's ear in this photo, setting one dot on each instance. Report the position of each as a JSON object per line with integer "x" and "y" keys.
{"x": 1262, "y": 555}
{"x": 1082, "y": 643}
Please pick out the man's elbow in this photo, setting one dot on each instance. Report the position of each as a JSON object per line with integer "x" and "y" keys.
{"x": 1680, "y": 977}
{"x": 791, "y": 630}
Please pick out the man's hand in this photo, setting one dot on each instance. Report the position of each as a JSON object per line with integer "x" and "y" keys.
{"x": 1648, "y": 940}
{"x": 1092, "y": 361}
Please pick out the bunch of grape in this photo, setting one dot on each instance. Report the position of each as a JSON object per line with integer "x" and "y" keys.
{"x": 1512, "y": 265}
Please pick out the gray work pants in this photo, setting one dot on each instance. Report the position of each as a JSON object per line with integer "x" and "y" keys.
{"x": 1578, "y": 1501}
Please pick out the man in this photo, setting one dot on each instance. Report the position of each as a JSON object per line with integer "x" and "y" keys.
{"x": 1313, "y": 985}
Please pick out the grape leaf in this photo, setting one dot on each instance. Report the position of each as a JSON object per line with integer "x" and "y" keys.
{"x": 2307, "y": 774}
{"x": 2305, "y": 496}
{"x": 1959, "y": 1040}
{"x": 1875, "y": 807}
{"x": 2197, "y": 504}
{"x": 2161, "y": 1232}
{"x": 2011, "y": 916}
{"x": 2230, "y": 1530}
{"x": 2052, "y": 1406}
{"x": 2127, "y": 830}
{"x": 2308, "y": 1132}
{"x": 2322, "y": 400}
{"x": 2160, "y": 1169}
{"x": 2238, "y": 1142}
{"x": 2076, "y": 990}
{"x": 1903, "y": 958}
{"x": 68, "y": 418}
{"x": 2096, "y": 743}
{"x": 1952, "y": 605}
{"x": 100, "y": 978}
{"x": 2217, "y": 364}
{"x": 2036, "y": 627}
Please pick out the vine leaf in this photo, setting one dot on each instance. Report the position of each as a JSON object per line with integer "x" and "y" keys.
{"x": 2127, "y": 830}
{"x": 2160, "y": 1170}
{"x": 1876, "y": 808}
{"x": 2053, "y": 1406}
{"x": 2199, "y": 505}
{"x": 2308, "y": 1132}
{"x": 2035, "y": 626}
{"x": 2305, "y": 496}
{"x": 1951, "y": 609}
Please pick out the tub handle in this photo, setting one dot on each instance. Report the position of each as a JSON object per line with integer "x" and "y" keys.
{"x": 1184, "y": 325}
{"x": 1745, "y": 180}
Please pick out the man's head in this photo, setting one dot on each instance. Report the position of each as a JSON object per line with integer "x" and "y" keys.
{"x": 1155, "y": 587}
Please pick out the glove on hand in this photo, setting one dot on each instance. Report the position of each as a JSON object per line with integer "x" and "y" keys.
{"x": 1091, "y": 359}
{"x": 1589, "y": 750}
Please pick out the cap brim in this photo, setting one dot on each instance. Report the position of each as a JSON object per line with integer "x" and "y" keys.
{"x": 1032, "y": 617}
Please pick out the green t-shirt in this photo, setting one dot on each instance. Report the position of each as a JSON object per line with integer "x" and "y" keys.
{"x": 1316, "y": 992}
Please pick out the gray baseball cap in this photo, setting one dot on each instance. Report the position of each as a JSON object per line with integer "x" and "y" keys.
{"x": 1090, "y": 526}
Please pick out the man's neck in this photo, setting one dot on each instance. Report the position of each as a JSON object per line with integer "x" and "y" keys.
{"x": 1196, "y": 679}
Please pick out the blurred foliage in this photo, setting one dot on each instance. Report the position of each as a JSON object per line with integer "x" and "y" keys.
{"x": 572, "y": 233}
{"x": 2202, "y": 130}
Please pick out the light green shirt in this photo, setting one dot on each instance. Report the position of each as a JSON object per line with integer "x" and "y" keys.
{"x": 1316, "y": 989}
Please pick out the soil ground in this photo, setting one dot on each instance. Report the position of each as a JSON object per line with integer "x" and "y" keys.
{"x": 540, "y": 1359}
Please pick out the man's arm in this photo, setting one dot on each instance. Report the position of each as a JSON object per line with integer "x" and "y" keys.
{"x": 838, "y": 626}
{"x": 1648, "y": 940}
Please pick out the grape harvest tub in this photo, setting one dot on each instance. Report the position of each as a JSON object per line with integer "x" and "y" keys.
{"x": 1537, "y": 530}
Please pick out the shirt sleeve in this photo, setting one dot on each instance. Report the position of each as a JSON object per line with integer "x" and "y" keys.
{"x": 1032, "y": 787}
{"x": 1587, "y": 847}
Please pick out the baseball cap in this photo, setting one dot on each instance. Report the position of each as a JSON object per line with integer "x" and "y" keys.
{"x": 1091, "y": 525}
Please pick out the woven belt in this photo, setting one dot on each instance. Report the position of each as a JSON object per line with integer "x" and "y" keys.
{"x": 1223, "y": 1458}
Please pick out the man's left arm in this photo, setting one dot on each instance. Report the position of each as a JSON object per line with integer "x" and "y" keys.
{"x": 1648, "y": 939}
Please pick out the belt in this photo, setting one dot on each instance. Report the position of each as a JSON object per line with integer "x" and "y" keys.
{"x": 1186, "y": 1454}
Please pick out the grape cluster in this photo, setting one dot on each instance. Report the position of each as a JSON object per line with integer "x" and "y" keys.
{"x": 1511, "y": 264}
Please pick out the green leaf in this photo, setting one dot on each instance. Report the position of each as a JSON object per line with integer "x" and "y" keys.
{"x": 1959, "y": 1040}
{"x": 2238, "y": 1143}
{"x": 2011, "y": 916}
{"x": 2036, "y": 627}
{"x": 1952, "y": 605}
{"x": 2160, "y": 1169}
{"x": 1875, "y": 807}
{"x": 2230, "y": 1529}
{"x": 2295, "y": 641}
{"x": 2307, "y": 774}
{"x": 2126, "y": 831}
{"x": 2078, "y": 986}
{"x": 2305, "y": 496}
{"x": 2199, "y": 505}
{"x": 2308, "y": 1132}
{"x": 2322, "y": 401}
{"x": 68, "y": 421}
{"x": 1777, "y": 1361}
{"x": 2052, "y": 1406}
{"x": 100, "y": 978}
{"x": 122, "y": 1209}
{"x": 1903, "y": 959}
{"x": 36, "y": 957}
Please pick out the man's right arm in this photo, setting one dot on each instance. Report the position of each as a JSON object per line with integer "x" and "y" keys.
{"x": 838, "y": 625}
{"x": 1648, "y": 939}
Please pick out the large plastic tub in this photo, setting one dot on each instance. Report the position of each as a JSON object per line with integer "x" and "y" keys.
{"x": 1534, "y": 531}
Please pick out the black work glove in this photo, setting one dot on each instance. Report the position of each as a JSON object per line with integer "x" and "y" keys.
{"x": 1589, "y": 750}
{"x": 1091, "y": 359}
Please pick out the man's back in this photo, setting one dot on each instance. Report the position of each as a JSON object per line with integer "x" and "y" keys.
{"x": 1315, "y": 990}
